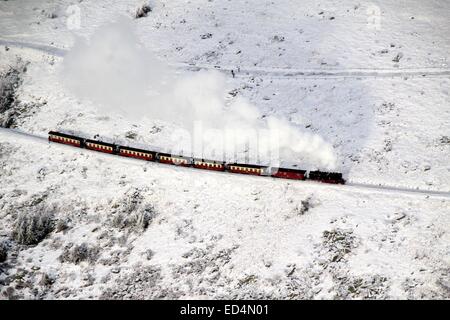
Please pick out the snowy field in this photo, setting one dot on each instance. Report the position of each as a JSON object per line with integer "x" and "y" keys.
{"x": 357, "y": 87}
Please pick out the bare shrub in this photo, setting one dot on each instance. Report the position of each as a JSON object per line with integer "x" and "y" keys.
{"x": 3, "y": 252}
{"x": 131, "y": 213}
{"x": 62, "y": 225}
{"x": 398, "y": 57}
{"x": 338, "y": 243}
{"x": 78, "y": 253}
{"x": 10, "y": 81}
{"x": 46, "y": 280}
{"x": 445, "y": 140}
{"x": 137, "y": 221}
{"x": 206, "y": 36}
{"x": 362, "y": 287}
{"x": 149, "y": 254}
{"x": 32, "y": 227}
{"x": 9, "y": 293}
{"x": 278, "y": 38}
{"x": 143, "y": 11}
{"x": 141, "y": 283}
{"x": 306, "y": 205}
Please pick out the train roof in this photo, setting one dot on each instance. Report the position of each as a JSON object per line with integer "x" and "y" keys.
{"x": 246, "y": 165}
{"x": 334, "y": 174}
{"x": 173, "y": 155}
{"x": 136, "y": 149}
{"x": 100, "y": 142}
{"x": 65, "y": 135}
{"x": 289, "y": 169}
{"x": 209, "y": 161}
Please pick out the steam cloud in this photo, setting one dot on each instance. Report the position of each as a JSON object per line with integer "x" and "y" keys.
{"x": 120, "y": 76}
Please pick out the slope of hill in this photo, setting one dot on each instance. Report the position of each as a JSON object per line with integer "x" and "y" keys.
{"x": 369, "y": 79}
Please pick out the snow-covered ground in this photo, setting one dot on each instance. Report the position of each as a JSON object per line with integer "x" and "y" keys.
{"x": 370, "y": 78}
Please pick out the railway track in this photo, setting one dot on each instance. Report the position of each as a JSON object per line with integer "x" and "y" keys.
{"x": 11, "y": 135}
{"x": 272, "y": 73}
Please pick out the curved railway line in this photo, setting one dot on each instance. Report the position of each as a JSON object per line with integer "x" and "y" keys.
{"x": 272, "y": 73}
{"x": 12, "y": 134}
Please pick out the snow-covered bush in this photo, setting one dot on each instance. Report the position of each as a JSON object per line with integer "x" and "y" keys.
{"x": 143, "y": 219}
{"x": 137, "y": 220}
{"x": 78, "y": 253}
{"x": 146, "y": 284}
{"x": 206, "y": 36}
{"x": 46, "y": 280}
{"x": 362, "y": 287}
{"x": 278, "y": 38}
{"x": 10, "y": 81}
{"x": 3, "y": 252}
{"x": 445, "y": 140}
{"x": 131, "y": 213}
{"x": 32, "y": 227}
{"x": 338, "y": 243}
{"x": 61, "y": 225}
{"x": 143, "y": 11}
{"x": 307, "y": 204}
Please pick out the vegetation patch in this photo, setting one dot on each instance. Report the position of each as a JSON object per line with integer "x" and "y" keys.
{"x": 31, "y": 227}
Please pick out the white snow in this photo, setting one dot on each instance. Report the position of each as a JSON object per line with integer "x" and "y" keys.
{"x": 325, "y": 69}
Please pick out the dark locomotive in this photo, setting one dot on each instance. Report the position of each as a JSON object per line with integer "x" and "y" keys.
{"x": 327, "y": 177}
{"x": 250, "y": 169}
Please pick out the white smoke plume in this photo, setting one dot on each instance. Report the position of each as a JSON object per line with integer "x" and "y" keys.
{"x": 113, "y": 70}
{"x": 120, "y": 76}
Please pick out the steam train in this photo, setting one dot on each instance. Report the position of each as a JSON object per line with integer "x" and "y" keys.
{"x": 250, "y": 169}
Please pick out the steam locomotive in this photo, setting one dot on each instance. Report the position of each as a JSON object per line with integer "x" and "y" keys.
{"x": 250, "y": 169}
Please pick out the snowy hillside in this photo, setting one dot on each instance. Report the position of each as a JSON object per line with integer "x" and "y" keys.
{"x": 353, "y": 86}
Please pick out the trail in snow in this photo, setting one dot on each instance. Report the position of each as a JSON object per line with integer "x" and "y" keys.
{"x": 273, "y": 73}
{"x": 11, "y": 135}
{"x": 398, "y": 189}
{"x": 52, "y": 50}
